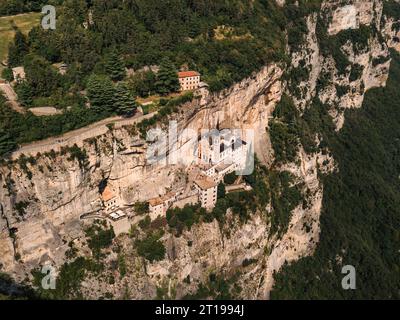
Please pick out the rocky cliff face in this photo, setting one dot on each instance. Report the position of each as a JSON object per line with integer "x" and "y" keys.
{"x": 43, "y": 199}
{"x": 368, "y": 62}
{"x": 60, "y": 189}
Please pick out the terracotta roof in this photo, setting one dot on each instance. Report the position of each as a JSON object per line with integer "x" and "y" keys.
{"x": 205, "y": 184}
{"x": 160, "y": 200}
{"x": 107, "y": 194}
{"x": 156, "y": 202}
{"x": 186, "y": 74}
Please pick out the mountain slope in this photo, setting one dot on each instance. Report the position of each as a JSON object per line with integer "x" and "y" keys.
{"x": 325, "y": 186}
{"x": 360, "y": 220}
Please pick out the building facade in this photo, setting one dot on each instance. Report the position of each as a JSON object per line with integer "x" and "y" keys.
{"x": 109, "y": 199}
{"x": 207, "y": 189}
{"x": 19, "y": 74}
{"x": 218, "y": 153}
{"x": 189, "y": 80}
{"x": 120, "y": 222}
{"x": 158, "y": 206}
{"x": 222, "y": 148}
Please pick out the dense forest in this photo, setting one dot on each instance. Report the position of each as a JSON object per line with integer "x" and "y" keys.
{"x": 11, "y": 7}
{"x": 360, "y": 221}
{"x": 360, "y": 218}
{"x": 224, "y": 40}
{"x": 99, "y": 40}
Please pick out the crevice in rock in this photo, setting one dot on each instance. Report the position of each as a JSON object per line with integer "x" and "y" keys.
{"x": 11, "y": 231}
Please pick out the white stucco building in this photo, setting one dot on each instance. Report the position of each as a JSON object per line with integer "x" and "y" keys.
{"x": 207, "y": 189}
{"x": 19, "y": 73}
{"x": 221, "y": 153}
{"x": 218, "y": 154}
{"x": 189, "y": 80}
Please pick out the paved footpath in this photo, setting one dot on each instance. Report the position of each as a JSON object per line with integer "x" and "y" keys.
{"x": 77, "y": 136}
{"x": 11, "y": 96}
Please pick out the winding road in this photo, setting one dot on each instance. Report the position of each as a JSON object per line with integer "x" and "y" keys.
{"x": 12, "y": 98}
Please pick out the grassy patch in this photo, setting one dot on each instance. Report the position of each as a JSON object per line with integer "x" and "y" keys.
{"x": 25, "y": 22}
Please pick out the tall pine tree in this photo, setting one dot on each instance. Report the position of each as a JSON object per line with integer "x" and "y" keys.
{"x": 100, "y": 91}
{"x": 167, "y": 78}
{"x": 124, "y": 102}
{"x": 41, "y": 75}
{"x": 7, "y": 74}
{"x": 114, "y": 66}
{"x": 25, "y": 94}
{"x": 17, "y": 49}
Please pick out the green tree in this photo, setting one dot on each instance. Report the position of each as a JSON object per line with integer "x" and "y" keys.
{"x": 99, "y": 237}
{"x": 151, "y": 248}
{"x": 7, "y": 142}
{"x": 114, "y": 66}
{"x": 124, "y": 102}
{"x": 7, "y": 74}
{"x": 285, "y": 142}
{"x": 40, "y": 75}
{"x": 25, "y": 94}
{"x": 221, "y": 191}
{"x": 100, "y": 91}
{"x": 167, "y": 78}
{"x": 143, "y": 83}
{"x": 17, "y": 49}
{"x": 44, "y": 44}
{"x": 230, "y": 178}
{"x": 141, "y": 207}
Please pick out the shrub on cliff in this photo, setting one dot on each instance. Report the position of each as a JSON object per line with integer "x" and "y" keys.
{"x": 98, "y": 238}
{"x": 7, "y": 142}
{"x": 151, "y": 248}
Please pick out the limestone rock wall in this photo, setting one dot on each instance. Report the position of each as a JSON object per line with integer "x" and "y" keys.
{"x": 352, "y": 14}
{"x": 60, "y": 189}
{"x": 42, "y": 202}
{"x": 343, "y": 90}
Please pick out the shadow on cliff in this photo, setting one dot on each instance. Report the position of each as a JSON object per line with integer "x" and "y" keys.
{"x": 11, "y": 290}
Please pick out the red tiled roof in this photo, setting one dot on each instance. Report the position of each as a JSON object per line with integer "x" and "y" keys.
{"x": 186, "y": 74}
{"x": 160, "y": 200}
{"x": 107, "y": 194}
